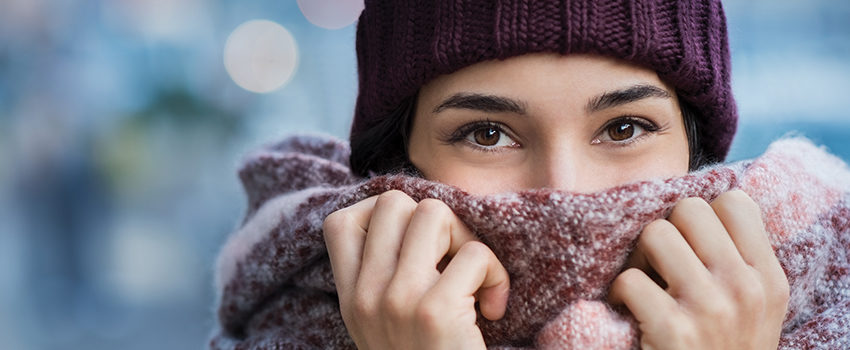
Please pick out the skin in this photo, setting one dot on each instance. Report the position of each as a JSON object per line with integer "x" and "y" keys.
{"x": 704, "y": 278}
{"x": 552, "y": 144}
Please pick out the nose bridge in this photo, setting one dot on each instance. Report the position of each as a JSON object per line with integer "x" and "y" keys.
{"x": 560, "y": 167}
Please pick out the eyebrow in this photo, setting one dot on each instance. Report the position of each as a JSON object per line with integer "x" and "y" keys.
{"x": 499, "y": 104}
{"x": 483, "y": 103}
{"x": 623, "y": 96}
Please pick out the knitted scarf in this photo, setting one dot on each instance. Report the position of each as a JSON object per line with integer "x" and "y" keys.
{"x": 562, "y": 250}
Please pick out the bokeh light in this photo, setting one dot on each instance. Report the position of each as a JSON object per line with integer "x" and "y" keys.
{"x": 331, "y": 14}
{"x": 260, "y": 56}
{"x": 159, "y": 20}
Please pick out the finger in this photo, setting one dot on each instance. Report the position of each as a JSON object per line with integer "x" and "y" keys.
{"x": 742, "y": 219}
{"x": 637, "y": 259}
{"x": 704, "y": 232}
{"x": 474, "y": 269}
{"x": 389, "y": 221}
{"x": 667, "y": 252}
{"x": 434, "y": 232}
{"x": 645, "y": 299}
{"x": 345, "y": 233}
{"x": 433, "y": 235}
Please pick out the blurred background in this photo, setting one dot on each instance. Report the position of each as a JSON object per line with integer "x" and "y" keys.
{"x": 122, "y": 123}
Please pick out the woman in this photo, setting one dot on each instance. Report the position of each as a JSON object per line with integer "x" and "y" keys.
{"x": 520, "y": 176}
{"x": 506, "y": 96}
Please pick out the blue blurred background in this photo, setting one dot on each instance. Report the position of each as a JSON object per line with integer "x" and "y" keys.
{"x": 121, "y": 131}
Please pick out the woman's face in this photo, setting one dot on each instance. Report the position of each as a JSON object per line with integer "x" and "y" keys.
{"x": 577, "y": 122}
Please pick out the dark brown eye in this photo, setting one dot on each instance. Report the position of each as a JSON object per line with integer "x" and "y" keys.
{"x": 487, "y": 136}
{"x": 621, "y": 131}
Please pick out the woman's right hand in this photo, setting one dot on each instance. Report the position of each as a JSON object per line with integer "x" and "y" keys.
{"x": 385, "y": 252}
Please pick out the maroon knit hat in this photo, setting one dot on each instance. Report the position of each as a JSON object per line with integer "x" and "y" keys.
{"x": 403, "y": 44}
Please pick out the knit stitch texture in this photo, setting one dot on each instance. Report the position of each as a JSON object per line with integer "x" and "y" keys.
{"x": 403, "y": 44}
{"x": 562, "y": 250}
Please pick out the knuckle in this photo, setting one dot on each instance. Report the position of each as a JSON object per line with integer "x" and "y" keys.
{"x": 737, "y": 197}
{"x": 659, "y": 225}
{"x": 627, "y": 279}
{"x": 687, "y": 208}
{"x": 476, "y": 250}
{"x": 751, "y": 296}
{"x": 719, "y": 309}
{"x": 428, "y": 315}
{"x": 688, "y": 335}
{"x": 690, "y": 205}
{"x": 363, "y": 307}
{"x": 431, "y": 206}
{"x": 392, "y": 198}
{"x": 395, "y": 305}
{"x": 335, "y": 222}
{"x": 658, "y": 230}
{"x": 679, "y": 328}
{"x": 736, "y": 201}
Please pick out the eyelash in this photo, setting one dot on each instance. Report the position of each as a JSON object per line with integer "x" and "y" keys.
{"x": 648, "y": 127}
{"x": 461, "y": 134}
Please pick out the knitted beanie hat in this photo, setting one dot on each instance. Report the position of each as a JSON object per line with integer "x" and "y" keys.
{"x": 403, "y": 44}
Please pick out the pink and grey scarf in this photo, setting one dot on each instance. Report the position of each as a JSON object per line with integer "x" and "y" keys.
{"x": 562, "y": 249}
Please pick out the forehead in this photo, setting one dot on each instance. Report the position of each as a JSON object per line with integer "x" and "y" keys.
{"x": 536, "y": 77}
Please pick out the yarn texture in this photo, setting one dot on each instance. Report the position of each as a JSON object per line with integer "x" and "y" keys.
{"x": 562, "y": 250}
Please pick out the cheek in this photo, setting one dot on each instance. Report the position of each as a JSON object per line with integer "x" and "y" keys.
{"x": 660, "y": 161}
{"x": 478, "y": 180}
{"x": 666, "y": 160}
{"x": 661, "y": 167}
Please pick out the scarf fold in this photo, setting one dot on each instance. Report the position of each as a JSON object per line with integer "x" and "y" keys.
{"x": 561, "y": 249}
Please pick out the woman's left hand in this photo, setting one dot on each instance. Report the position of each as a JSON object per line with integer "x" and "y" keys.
{"x": 721, "y": 285}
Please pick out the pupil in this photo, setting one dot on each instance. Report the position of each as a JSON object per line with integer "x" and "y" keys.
{"x": 621, "y": 132}
{"x": 487, "y": 136}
